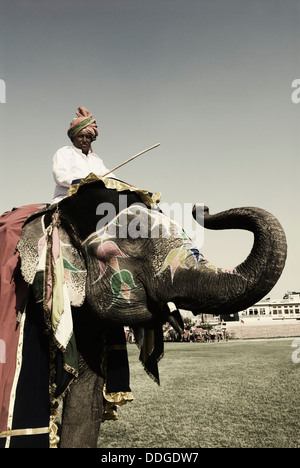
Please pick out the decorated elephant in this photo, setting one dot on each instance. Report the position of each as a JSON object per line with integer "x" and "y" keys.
{"x": 92, "y": 270}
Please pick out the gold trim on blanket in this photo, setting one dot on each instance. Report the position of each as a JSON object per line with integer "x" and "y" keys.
{"x": 119, "y": 186}
{"x": 24, "y": 432}
{"x": 15, "y": 382}
{"x": 111, "y": 401}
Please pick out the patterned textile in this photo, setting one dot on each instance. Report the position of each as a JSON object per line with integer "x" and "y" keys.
{"x": 50, "y": 287}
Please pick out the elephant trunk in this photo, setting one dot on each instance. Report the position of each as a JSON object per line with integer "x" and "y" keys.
{"x": 219, "y": 292}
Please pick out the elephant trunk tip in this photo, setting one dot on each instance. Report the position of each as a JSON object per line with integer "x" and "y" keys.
{"x": 261, "y": 270}
{"x": 199, "y": 211}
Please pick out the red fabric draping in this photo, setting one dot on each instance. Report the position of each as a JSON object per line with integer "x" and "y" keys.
{"x": 12, "y": 294}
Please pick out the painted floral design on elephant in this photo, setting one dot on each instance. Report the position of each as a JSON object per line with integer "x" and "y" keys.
{"x": 121, "y": 281}
{"x": 185, "y": 256}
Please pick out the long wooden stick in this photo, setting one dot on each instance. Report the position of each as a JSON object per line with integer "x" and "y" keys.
{"x": 130, "y": 159}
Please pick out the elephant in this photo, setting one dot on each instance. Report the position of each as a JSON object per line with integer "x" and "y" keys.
{"x": 131, "y": 267}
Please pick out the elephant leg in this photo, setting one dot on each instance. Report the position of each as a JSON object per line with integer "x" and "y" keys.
{"x": 83, "y": 409}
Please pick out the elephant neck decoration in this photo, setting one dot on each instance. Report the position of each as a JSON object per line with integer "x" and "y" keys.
{"x": 92, "y": 270}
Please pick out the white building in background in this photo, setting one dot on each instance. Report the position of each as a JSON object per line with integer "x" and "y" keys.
{"x": 263, "y": 312}
{"x": 287, "y": 308}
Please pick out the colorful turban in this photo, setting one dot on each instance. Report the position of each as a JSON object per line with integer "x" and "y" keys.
{"x": 84, "y": 120}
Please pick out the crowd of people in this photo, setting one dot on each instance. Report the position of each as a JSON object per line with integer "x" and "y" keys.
{"x": 196, "y": 335}
{"x": 192, "y": 334}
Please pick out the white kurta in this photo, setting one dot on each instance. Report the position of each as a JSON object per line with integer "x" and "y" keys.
{"x": 70, "y": 163}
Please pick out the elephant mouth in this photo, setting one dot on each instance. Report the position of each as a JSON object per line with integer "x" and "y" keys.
{"x": 123, "y": 298}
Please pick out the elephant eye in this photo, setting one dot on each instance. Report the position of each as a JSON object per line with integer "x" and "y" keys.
{"x": 133, "y": 247}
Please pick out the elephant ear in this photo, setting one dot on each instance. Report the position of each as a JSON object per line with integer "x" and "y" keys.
{"x": 33, "y": 246}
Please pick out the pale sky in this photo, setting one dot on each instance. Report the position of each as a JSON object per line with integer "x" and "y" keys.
{"x": 208, "y": 79}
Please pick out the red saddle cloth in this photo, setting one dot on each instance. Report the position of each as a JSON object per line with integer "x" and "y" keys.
{"x": 12, "y": 295}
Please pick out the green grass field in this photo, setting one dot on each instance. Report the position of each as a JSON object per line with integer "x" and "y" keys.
{"x": 239, "y": 394}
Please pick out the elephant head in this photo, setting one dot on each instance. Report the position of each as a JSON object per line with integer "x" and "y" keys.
{"x": 130, "y": 266}
{"x": 141, "y": 275}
